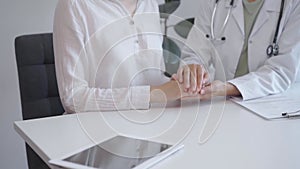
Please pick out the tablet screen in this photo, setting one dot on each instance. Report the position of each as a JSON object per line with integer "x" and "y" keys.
{"x": 118, "y": 153}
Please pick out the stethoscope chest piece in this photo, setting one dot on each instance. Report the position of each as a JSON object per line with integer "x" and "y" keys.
{"x": 272, "y": 50}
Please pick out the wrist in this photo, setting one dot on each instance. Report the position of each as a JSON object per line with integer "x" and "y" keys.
{"x": 169, "y": 91}
{"x": 232, "y": 90}
{"x": 157, "y": 95}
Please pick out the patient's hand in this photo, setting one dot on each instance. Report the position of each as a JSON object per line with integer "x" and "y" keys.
{"x": 169, "y": 91}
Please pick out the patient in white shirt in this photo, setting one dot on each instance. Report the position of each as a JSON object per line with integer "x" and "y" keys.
{"x": 108, "y": 55}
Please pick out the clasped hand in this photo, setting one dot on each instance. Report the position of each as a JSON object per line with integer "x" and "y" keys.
{"x": 195, "y": 82}
{"x": 191, "y": 81}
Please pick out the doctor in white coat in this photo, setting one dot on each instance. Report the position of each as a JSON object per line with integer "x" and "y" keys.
{"x": 237, "y": 34}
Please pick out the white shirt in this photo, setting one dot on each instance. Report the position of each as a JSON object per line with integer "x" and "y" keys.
{"x": 105, "y": 59}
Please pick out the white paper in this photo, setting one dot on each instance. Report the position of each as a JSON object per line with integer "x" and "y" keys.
{"x": 272, "y": 107}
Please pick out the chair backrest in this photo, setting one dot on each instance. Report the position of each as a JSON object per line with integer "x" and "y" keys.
{"x": 37, "y": 81}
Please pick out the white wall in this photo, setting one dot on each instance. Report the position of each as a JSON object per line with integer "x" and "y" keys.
{"x": 17, "y": 17}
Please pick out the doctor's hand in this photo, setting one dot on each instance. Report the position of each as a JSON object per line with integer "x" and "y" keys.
{"x": 218, "y": 88}
{"x": 193, "y": 77}
{"x": 169, "y": 91}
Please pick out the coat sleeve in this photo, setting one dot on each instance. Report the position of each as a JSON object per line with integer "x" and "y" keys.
{"x": 278, "y": 72}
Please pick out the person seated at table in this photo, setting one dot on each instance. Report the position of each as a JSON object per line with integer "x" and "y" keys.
{"x": 254, "y": 45}
{"x": 108, "y": 55}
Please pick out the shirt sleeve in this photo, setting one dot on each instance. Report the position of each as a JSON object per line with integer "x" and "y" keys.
{"x": 278, "y": 72}
{"x": 76, "y": 94}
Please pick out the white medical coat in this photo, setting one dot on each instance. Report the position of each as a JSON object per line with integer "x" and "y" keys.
{"x": 267, "y": 75}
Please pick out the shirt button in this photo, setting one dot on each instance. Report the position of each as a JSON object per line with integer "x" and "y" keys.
{"x": 250, "y": 41}
{"x": 136, "y": 41}
{"x": 131, "y": 22}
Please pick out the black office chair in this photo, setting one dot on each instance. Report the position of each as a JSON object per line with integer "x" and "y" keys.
{"x": 37, "y": 80}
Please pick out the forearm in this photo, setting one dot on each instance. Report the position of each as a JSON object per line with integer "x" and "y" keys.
{"x": 84, "y": 99}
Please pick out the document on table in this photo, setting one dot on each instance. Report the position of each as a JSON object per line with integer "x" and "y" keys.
{"x": 272, "y": 107}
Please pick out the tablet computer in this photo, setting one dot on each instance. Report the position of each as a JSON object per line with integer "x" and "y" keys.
{"x": 119, "y": 152}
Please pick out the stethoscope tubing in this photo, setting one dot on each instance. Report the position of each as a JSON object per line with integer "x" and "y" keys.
{"x": 275, "y": 40}
{"x": 272, "y": 49}
{"x": 212, "y": 25}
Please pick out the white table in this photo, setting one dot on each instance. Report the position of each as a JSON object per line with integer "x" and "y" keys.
{"x": 241, "y": 141}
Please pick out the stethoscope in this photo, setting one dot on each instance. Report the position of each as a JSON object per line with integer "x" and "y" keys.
{"x": 212, "y": 32}
{"x": 272, "y": 49}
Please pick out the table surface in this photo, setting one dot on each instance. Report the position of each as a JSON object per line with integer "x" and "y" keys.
{"x": 216, "y": 134}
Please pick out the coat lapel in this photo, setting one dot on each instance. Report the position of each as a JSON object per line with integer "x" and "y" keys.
{"x": 238, "y": 15}
{"x": 263, "y": 16}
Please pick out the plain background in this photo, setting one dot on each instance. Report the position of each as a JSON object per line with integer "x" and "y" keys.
{"x": 19, "y": 17}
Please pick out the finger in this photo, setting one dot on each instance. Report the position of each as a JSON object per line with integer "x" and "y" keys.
{"x": 193, "y": 78}
{"x": 174, "y": 77}
{"x": 199, "y": 77}
{"x": 205, "y": 80}
{"x": 180, "y": 74}
{"x": 186, "y": 77}
{"x": 202, "y": 92}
